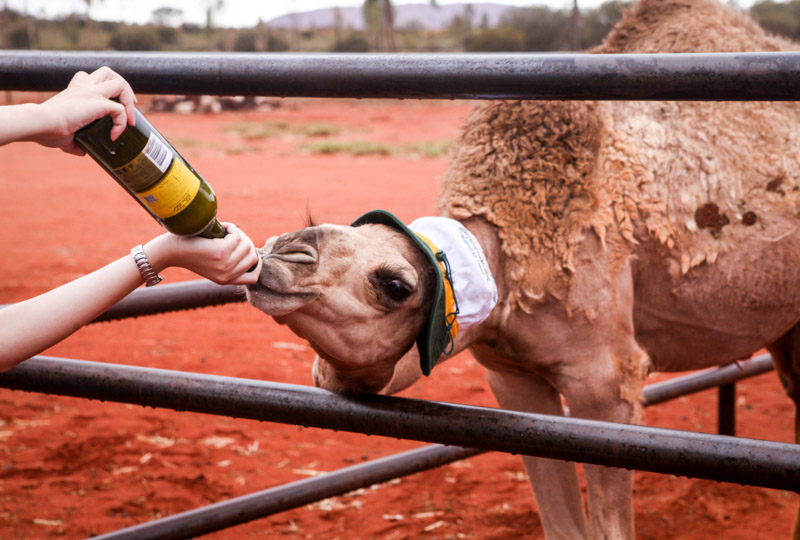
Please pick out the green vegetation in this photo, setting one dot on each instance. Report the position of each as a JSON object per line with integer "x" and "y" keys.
{"x": 321, "y": 131}
{"x": 265, "y": 130}
{"x": 184, "y": 143}
{"x": 239, "y": 150}
{"x": 355, "y": 148}
{"x": 430, "y": 149}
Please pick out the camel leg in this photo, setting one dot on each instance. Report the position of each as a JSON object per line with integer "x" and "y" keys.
{"x": 609, "y": 395}
{"x": 555, "y": 483}
{"x": 786, "y": 355}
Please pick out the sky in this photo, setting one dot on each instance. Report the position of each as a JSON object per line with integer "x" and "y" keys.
{"x": 234, "y": 13}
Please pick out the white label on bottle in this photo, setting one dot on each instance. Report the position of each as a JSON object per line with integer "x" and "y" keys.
{"x": 158, "y": 152}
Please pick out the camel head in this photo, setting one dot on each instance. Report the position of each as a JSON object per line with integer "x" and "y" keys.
{"x": 362, "y": 295}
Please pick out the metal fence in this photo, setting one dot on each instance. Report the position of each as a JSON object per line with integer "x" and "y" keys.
{"x": 735, "y": 76}
{"x": 709, "y": 76}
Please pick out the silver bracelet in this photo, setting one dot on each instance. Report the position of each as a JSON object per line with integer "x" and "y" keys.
{"x": 140, "y": 258}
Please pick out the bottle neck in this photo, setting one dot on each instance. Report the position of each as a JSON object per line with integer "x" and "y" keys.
{"x": 214, "y": 230}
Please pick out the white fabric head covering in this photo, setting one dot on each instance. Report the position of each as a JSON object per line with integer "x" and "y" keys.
{"x": 474, "y": 286}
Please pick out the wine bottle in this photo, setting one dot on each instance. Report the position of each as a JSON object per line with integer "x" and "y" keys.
{"x": 143, "y": 162}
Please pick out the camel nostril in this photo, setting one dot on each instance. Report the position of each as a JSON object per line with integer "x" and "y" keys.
{"x": 295, "y": 252}
{"x": 297, "y": 257}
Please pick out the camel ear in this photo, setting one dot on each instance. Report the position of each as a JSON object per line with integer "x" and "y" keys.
{"x": 406, "y": 372}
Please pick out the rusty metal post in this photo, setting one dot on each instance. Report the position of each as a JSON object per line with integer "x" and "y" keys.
{"x": 726, "y": 409}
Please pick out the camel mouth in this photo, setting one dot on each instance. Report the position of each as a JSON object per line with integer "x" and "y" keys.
{"x": 277, "y": 291}
{"x": 275, "y": 303}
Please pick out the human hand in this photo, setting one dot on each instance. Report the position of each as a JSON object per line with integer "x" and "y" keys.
{"x": 222, "y": 260}
{"x": 87, "y": 98}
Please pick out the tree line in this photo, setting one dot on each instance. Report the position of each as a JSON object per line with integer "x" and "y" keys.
{"x": 535, "y": 28}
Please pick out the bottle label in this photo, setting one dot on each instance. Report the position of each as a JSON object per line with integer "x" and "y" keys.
{"x": 173, "y": 193}
{"x": 148, "y": 166}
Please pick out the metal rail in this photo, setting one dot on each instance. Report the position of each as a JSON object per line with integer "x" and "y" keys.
{"x": 224, "y": 514}
{"x": 686, "y": 76}
{"x": 173, "y": 297}
{"x": 713, "y": 457}
{"x": 221, "y": 515}
{"x": 703, "y": 380}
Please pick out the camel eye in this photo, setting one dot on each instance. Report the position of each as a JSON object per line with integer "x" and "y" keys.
{"x": 390, "y": 286}
{"x": 396, "y": 290}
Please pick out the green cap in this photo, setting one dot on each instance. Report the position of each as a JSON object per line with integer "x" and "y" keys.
{"x": 435, "y": 335}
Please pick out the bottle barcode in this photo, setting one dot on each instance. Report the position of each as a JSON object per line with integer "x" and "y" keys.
{"x": 158, "y": 153}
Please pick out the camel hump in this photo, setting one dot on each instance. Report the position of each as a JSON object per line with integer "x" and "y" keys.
{"x": 682, "y": 26}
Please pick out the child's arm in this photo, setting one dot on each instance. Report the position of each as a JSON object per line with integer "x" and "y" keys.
{"x": 54, "y": 122}
{"x": 29, "y": 327}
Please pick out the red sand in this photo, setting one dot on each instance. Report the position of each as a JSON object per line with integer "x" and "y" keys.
{"x": 73, "y": 468}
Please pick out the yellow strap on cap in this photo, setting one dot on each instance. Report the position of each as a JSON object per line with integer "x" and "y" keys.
{"x": 449, "y": 298}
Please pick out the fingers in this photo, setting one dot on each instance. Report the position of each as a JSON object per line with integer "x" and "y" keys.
{"x": 110, "y": 85}
{"x": 78, "y": 78}
{"x": 116, "y": 86}
{"x": 72, "y": 148}
{"x": 103, "y": 74}
{"x": 119, "y": 116}
{"x": 248, "y": 263}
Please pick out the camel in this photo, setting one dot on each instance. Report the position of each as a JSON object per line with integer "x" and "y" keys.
{"x": 581, "y": 245}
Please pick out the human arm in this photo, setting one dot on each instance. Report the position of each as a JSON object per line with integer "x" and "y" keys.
{"x": 54, "y": 122}
{"x": 27, "y": 328}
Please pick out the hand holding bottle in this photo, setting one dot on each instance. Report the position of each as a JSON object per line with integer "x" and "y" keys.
{"x": 54, "y": 122}
{"x": 232, "y": 259}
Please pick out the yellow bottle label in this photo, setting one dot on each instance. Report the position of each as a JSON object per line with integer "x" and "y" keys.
{"x": 147, "y": 167}
{"x": 173, "y": 193}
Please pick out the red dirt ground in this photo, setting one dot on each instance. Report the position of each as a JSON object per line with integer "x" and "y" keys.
{"x": 73, "y": 468}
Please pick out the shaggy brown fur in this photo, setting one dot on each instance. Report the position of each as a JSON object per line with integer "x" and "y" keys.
{"x": 695, "y": 176}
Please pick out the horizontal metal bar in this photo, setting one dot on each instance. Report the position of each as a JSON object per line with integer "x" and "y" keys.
{"x": 688, "y": 76}
{"x": 704, "y": 380}
{"x": 225, "y": 514}
{"x": 713, "y": 457}
{"x": 236, "y": 511}
{"x": 173, "y": 297}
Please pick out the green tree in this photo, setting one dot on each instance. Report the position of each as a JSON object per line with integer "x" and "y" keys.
{"x": 5, "y": 26}
{"x": 338, "y": 27}
{"x": 212, "y": 8}
{"x": 372, "y": 11}
{"x": 597, "y": 23}
{"x": 501, "y": 39}
{"x": 461, "y": 26}
{"x": 352, "y": 43}
{"x": 135, "y": 38}
{"x": 89, "y": 31}
{"x": 543, "y": 29}
{"x": 379, "y": 20}
{"x": 781, "y": 18}
{"x": 167, "y": 16}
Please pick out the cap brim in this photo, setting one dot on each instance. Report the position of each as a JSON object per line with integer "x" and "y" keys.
{"x": 434, "y": 337}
